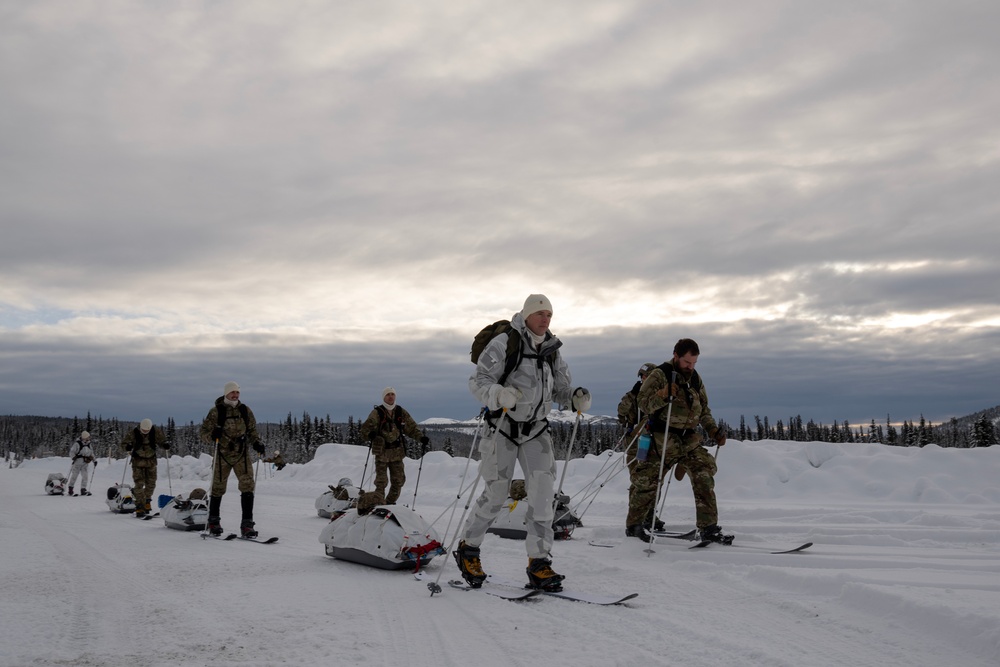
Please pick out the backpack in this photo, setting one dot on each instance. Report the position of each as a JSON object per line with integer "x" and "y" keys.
{"x": 514, "y": 354}
{"x": 491, "y": 331}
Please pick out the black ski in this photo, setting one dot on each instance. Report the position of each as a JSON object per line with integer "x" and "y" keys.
{"x": 770, "y": 550}
{"x": 150, "y": 516}
{"x": 576, "y": 596}
{"x": 270, "y": 540}
{"x": 224, "y": 538}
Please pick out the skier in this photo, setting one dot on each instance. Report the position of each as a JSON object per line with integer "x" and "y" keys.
{"x": 232, "y": 429}
{"x": 81, "y": 455}
{"x": 141, "y": 442}
{"x": 277, "y": 460}
{"x": 630, "y": 416}
{"x": 520, "y": 408}
{"x": 385, "y": 427}
{"x": 677, "y": 382}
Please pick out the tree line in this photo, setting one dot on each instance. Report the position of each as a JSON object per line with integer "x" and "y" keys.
{"x": 297, "y": 438}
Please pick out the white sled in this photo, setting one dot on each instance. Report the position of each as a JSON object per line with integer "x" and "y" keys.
{"x": 510, "y": 522}
{"x": 120, "y": 499}
{"x": 337, "y": 500}
{"x": 389, "y": 537}
{"x": 186, "y": 512}
{"x": 55, "y": 484}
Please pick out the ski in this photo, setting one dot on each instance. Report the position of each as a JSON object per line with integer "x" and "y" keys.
{"x": 224, "y": 538}
{"x": 690, "y": 535}
{"x": 497, "y": 592}
{"x": 488, "y": 589}
{"x": 576, "y": 596}
{"x": 270, "y": 540}
{"x": 770, "y": 550}
{"x": 150, "y": 516}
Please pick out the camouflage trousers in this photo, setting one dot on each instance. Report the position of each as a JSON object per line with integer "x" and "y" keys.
{"x": 701, "y": 470}
{"x": 538, "y": 462}
{"x": 232, "y": 461}
{"x": 143, "y": 484}
{"x": 386, "y": 470}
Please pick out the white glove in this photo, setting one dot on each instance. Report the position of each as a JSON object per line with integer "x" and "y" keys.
{"x": 507, "y": 397}
{"x": 581, "y": 399}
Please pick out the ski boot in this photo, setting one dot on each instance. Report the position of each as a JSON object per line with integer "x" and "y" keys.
{"x": 658, "y": 525}
{"x": 637, "y": 530}
{"x": 214, "y": 526}
{"x": 541, "y": 575}
{"x": 71, "y": 491}
{"x": 84, "y": 492}
{"x": 140, "y": 510}
{"x": 714, "y": 534}
{"x": 247, "y": 531}
{"x": 467, "y": 558}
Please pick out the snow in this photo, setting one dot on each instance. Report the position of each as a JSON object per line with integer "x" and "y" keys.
{"x": 905, "y": 570}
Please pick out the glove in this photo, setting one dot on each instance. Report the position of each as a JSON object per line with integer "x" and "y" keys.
{"x": 258, "y": 447}
{"x": 166, "y": 445}
{"x": 424, "y": 440}
{"x": 581, "y": 399}
{"x": 507, "y": 397}
{"x": 719, "y": 436}
{"x": 377, "y": 441}
{"x": 217, "y": 433}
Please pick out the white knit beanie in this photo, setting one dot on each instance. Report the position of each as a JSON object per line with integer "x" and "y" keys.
{"x": 145, "y": 425}
{"x": 535, "y": 303}
{"x": 230, "y": 386}
{"x": 387, "y": 390}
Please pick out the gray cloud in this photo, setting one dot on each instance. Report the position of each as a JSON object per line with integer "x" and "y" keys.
{"x": 303, "y": 198}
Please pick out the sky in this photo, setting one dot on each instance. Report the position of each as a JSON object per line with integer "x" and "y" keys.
{"x": 903, "y": 569}
{"x": 318, "y": 200}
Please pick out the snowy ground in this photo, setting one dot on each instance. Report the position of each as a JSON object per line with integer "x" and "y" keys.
{"x": 905, "y": 571}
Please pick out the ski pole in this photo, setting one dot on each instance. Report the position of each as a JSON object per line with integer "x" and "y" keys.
{"x": 663, "y": 458}
{"x": 569, "y": 455}
{"x": 215, "y": 459}
{"x": 364, "y": 473}
{"x": 416, "y": 486}
{"x": 435, "y": 586}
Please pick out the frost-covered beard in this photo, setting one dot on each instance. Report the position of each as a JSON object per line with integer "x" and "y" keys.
{"x": 231, "y": 404}
{"x": 388, "y": 408}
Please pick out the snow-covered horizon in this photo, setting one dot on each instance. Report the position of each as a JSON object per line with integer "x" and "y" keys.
{"x": 905, "y": 569}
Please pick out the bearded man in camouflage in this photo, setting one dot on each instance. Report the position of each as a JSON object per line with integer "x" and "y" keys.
{"x": 231, "y": 428}
{"x": 677, "y": 382}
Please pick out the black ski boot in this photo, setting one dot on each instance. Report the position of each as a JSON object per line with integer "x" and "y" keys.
{"x": 247, "y": 530}
{"x": 637, "y": 530}
{"x": 541, "y": 575}
{"x": 658, "y": 525}
{"x": 84, "y": 492}
{"x": 714, "y": 534}
{"x": 140, "y": 510}
{"x": 467, "y": 558}
{"x": 214, "y": 525}
{"x": 71, "y": 491}
{"x": 246, "y": 525}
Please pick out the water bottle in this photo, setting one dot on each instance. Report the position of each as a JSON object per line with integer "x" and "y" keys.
{"x": 643, "y": 452}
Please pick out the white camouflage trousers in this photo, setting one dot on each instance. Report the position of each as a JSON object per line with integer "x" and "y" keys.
{"x": 496, "y": 467}
{"x": 78, "y": 468}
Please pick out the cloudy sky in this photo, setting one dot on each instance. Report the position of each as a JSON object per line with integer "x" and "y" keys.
{"x": 319, "y": 199}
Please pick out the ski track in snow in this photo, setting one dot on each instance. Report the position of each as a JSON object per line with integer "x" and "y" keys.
{"x": 908, "y": 574}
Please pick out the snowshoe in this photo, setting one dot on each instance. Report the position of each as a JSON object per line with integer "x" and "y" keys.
{"x": 247, "y": 531}
{"x": 467, "y": 558}
{"x": 637, "y": 531}
{"x": 714, "y": 534}
{"x": 542, "y": 576}
{"x": 214, "y": 526}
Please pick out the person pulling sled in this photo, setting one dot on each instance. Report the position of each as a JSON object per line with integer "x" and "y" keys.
{"x": 82, "y": 455}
